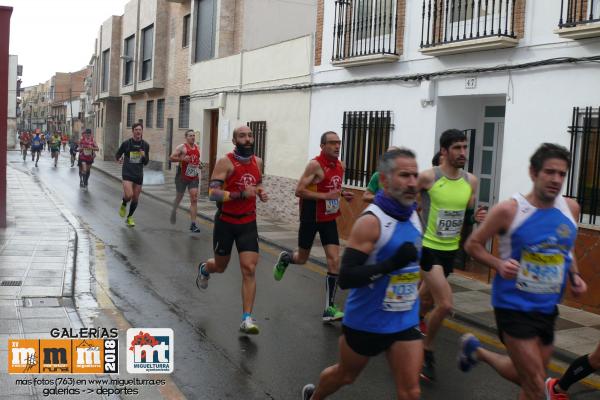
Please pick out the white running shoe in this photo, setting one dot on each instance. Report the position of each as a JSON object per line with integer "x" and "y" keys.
{"x": 249, "y": 327}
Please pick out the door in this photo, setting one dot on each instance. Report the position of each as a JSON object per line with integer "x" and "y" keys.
{"x": 169, "y": 141}
{"x": 214, "y": 137}
{"x": 490, "y": 155}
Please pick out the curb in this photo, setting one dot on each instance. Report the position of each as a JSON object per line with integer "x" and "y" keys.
{"x": 211, "y": 219}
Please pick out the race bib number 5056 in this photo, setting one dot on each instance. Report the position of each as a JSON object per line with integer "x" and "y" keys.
{"x": 449, "y": 223}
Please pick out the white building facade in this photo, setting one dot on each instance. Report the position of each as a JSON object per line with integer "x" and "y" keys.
{"x": 411, "y": 67}
{"x": 270, "y": 44}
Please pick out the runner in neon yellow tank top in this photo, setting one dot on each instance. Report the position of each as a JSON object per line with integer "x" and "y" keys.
{"x": 447, "y": 201}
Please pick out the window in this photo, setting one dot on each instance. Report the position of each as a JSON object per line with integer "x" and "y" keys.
{"x": 459, "y": 20}
{"x": 185, "y": 36}
{"x": 205, "y": 30}
{"x": 575, "y": 12}
{"x": 105, "y": 69}
{"x": 364, "y": 27}
{"x": 149, "y": 112}
{"x": 184, "y": 112}
{"x": 259, "y": 129}
{"x": 130, "y": 114}
{"x": 365, "y": 137}
{"x": 583, "y": 182}
{"x": 160, "y": 113}
{"x": 147, "y": 45}
{"x": 102, "y": 119}
{"x": 128, "y": 56}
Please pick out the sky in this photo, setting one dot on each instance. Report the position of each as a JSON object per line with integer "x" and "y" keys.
{"x": 52, "y": 36}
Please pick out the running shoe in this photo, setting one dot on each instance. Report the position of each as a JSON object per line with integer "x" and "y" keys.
{"x": 332, "y": 313}
{"x": 194, "y": 228}
{"x": 130, "y": 221}
{"x": 249, "y": 327}
{"x": 282, "y": 263}
{"x": 202, "y": 277}
{"x": 466, "y": 355}
{"x": 428, "y": 370}
{"x": 122, "y": 210}
{"x": 307, "y": 391}
{"x": 173, "y": 218}
{"x": 551, "y": 394}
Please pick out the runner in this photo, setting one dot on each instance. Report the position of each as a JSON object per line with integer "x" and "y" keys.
{"x": 134, "y": 153}
{"x": 536, "y": 238}
{"x": 87, "y": 147}
{"x": 47, "y": 136}
{"x": 373, "y": 186}
{"x": 36, "y": 148}
{"x": 235, "y": 183}
{"x": 73, "y": 149}
{"x": 447, "y": 202}
{"x": 24, "y": 140}
{"x": 64, "y": 140}
{"x": 54, "y": 145}
{"x": 380, "y": 265}
{"x": 188, "y": 157}
{"x": 556, "y": 388}
{"x": 44, "y": 141}
{"x": 319, "y": 190}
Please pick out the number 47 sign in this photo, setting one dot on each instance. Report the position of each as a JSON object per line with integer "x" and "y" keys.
{"x": 471, "y": 83}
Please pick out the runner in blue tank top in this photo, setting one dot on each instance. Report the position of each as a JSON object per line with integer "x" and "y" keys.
{"x": 536, "y": 235}
{"x": 381, "y": 267}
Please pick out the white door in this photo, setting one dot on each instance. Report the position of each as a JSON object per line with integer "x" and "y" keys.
{"x": 489, "y": 155}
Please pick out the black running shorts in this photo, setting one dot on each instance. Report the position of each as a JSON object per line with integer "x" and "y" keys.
{"x": 431, "y": 257}
{"x": 88, "y": 162}
{"x": 138, "y": 180}
{"x": 245, "y": 237}
{"x": 327, "y": 233}
{"x": 182, "y": 184}
{"x": 526, "y": 325}
{"x": 370, "y": 344}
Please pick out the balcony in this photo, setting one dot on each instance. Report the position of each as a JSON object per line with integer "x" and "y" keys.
{"x": 461, "y": 26}
{"x": 365, "y": 32}
{"x": 579, "y": 19}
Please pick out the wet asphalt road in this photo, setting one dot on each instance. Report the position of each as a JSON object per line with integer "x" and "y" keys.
{"x": 151, "y": 273}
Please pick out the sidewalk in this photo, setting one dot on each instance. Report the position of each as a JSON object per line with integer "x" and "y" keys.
{"x": 42, "y": 250}
{"x": 577, "y": 331}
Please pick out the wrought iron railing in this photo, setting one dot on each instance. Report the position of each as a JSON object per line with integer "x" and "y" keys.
{"x": 365, "y": 137}
{"x": 583, "y": 181}
{"x": 259, "y": 129}
{"x": 364, "y": 27}
{"x": 448, "y": 21}
{"x": 576, "y": 12}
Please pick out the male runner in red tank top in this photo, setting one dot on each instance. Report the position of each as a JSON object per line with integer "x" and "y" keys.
{"x": 319, "y": 190}
{"x": 188, "y": 170}
{"x": 235, "y": 183}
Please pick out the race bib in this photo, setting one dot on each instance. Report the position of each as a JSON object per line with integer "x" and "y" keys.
{"x": 135, "y": 157}
{"x": 332, "y": 206}
{"x": 402, "y": 292}
{"x": 87, "y": 152}
{"x": 449, "y": 223}
{"x": 541, "y": 273}
{"x": 192, "y": 170}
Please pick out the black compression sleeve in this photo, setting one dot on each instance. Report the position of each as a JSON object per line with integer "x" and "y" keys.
{"x": 120, "y": 151}
{"x": 353, "y": 272}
